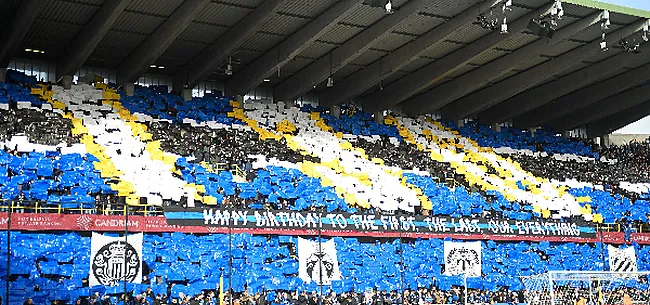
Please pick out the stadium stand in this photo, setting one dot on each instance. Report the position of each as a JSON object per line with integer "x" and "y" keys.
{"x": 258, "y": 152}
{"x": 186, "y": 142}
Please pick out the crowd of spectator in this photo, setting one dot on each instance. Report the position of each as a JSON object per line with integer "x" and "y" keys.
{"x": 634, "y": 155}
{"x": 45, "y": 128}
{"x": 625, "y": 163}
{"x": 227, "y": 146}
{"x": 422, "y": 296}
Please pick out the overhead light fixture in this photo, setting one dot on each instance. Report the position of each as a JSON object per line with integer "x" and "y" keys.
{"x": 42, "y": 52}
{"x": 504, "y": 26}
{"x": 152, "y": 66}
{"x": 267, "y": 80}
{"x": 603, "y": 43}
{"x": 604, "y": 25}
{"x": 161, "y": 67}
{"x": 28, "y": 50}
{"x": 389, "y": 7}
{"x": 229, "y": 66}
{"x": 604, "y": 20}
{"x": 556, "y": 10}
{"x": 491, "y": 22}
{"x": 506, "y": 6}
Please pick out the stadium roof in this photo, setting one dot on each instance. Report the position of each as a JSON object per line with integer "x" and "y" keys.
{"x": 429, "y": 55}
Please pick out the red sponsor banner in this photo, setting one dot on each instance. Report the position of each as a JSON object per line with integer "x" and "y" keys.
{"x": 153, "y": 224}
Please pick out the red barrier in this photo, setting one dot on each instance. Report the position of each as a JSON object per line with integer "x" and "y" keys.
{"x": 153, "y": 224}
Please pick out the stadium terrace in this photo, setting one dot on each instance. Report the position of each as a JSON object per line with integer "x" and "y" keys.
{"x": 276, "y": 152}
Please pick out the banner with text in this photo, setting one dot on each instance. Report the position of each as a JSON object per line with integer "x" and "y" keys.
{"x": 374, "y": 223}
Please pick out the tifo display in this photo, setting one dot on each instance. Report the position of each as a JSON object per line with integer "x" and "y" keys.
{"x": 221, "y": 200}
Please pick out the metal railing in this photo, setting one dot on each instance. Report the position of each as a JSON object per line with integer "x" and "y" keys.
{"x": 618, "y": 227}
{"x": 99, "y": 209}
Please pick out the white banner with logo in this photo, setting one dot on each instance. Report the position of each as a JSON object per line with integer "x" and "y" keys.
{"x": 622, "y": 260}
{"x": 463, "y": 258}
{"x": 311, "y": 261}
{"x": 112, "y": 260}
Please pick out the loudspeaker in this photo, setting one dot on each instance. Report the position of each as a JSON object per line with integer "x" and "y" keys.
{"x": 541, "y": 28}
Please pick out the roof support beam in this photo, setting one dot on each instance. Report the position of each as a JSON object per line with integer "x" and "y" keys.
{"x": 541, "y": 95}
{"x": 254, "y": 74}
{"x": 316, "y": 72}
{"x": 138, "y": 62}
{"x": 603, "y": 108}
{"x": 86, "y": 41}
{"x": 216, "y": 53}
{"x": 618, "y": 120}
{"x": 490, "y": 96}
{"x": 584, "y": 97}
{"x": 424, "y": 77}
{"x": 367, "y": 77}
{"x": 444, "y": 94}
{"x": 14, "y": 34}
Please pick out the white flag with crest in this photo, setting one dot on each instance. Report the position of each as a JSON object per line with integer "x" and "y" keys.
{"x": 112, "y": 260}
{"x": 622, "y": 260}
{"x": 311, "y": 261}
{"x": 463, "y": 258}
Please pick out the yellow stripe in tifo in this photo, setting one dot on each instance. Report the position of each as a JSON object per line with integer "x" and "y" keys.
{"x": 153, "y": 147}
{"x": 425, "y": 203}
{"x": 306, "y": 167}
{"x": 105, "y": 166}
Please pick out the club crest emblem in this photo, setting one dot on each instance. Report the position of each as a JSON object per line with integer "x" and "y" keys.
{"x": 462, "y": 260}
{"x": 115, "y": 262}
{"x": 312, "y": 265}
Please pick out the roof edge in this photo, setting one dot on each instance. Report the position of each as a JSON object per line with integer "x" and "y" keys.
{"x": 611, "y": 7}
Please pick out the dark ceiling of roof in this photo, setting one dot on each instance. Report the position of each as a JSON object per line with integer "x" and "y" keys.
{"x": 60, "y": 21}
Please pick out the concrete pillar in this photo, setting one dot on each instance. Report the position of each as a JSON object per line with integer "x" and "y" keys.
{"x": 605, "y": 141}
{"x": 239, "y": 98}
{"x": 336, "y": 111}
{"x": 532, "y": 131}
{"x": 129, "y": 89}
{"x": 3, "y": 75}
{"x": 496, "y": 127}
{"x": 566, "y": 133}
{"x": 66, "y": 81}
{"x": 460, "y": 123}
{"x": 379, "y": 116}
{"x": 187, "y": 94}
